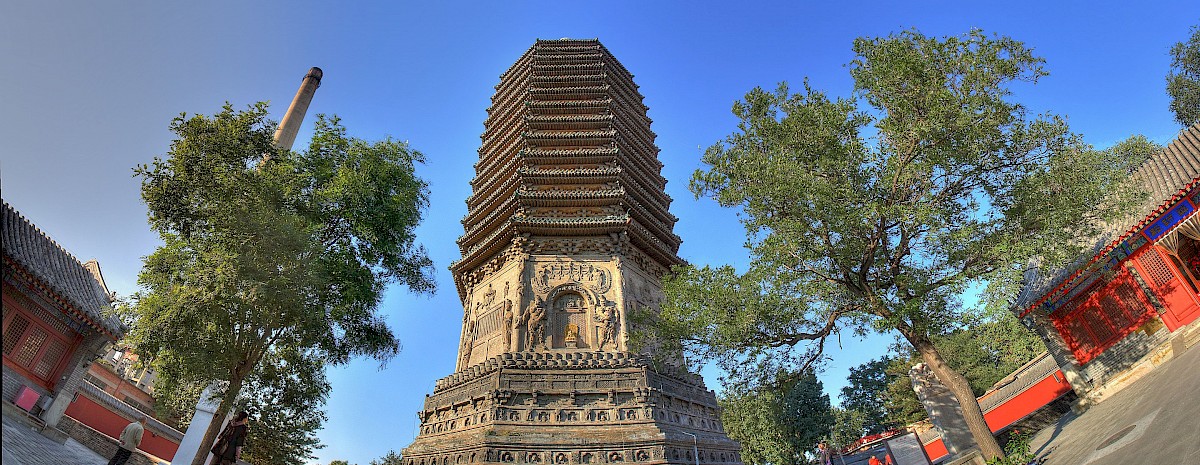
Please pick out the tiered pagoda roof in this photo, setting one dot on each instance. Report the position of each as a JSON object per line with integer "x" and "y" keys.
{"x": 567, "y": 151}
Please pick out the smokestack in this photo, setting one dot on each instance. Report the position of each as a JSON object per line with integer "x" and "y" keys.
{"x": 285, "y": 136}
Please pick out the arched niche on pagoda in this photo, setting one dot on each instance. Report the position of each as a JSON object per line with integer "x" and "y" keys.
{"x": 570, "y": 308}
{"x": 571, "y": 317}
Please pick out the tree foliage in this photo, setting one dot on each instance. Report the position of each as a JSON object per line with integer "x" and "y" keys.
{"x": 1183, "y": 80}
{"x": 286, "y": 395}
{"x": 288, "y": 255}
{"x": 391, "y": 458}
{"x": 849, "y": 425}
{"x": 864, "y": 396}
{"x": 877, "y": 212}
{"x": 777, "y": 424}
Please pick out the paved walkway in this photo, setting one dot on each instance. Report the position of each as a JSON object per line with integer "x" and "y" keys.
{"x": 24, "y": 446}
{"x": 1156, "y": 419}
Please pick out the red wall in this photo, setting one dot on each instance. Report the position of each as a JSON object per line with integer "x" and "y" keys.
{"x": 89, "y": 412}
{"x": 936, "y": 449}
{"x": 1035, "y": 397}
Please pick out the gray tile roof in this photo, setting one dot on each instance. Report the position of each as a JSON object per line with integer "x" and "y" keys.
{"x": 54, "y": 266}
{"x": 1162, "y": 176}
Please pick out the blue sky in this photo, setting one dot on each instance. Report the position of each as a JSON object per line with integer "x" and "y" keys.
{"x": 87, "y": 90}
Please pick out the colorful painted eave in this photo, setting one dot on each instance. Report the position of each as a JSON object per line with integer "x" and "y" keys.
{"x": 1189, "y": 192}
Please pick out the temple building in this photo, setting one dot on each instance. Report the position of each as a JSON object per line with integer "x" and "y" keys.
{"x": 1137, "y": 289}
{"x": 55, "y": 322}
{"x": 567, "y": 235}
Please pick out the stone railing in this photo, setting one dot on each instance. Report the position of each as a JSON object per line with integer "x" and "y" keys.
{"x": 544, "y": 360}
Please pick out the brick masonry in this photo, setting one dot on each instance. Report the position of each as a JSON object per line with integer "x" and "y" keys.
{"x": 1124, "y": 355}
{"x": 13, "y": 383}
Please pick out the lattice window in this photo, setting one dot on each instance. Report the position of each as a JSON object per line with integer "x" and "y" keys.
{"x": 489, "y": 322}
{"x": 35, "y": 347}
{"x": 37, "y": 311}
{"x": 1129, "y": 299}
{"x": 13, "y": 333}
{"x": 55, "y": 349}
{"x": 1101, "y": 329}
{"x": 30, "y": 347}
{"x": 1115, "y": 311}
{"x": 1157, "y": 268}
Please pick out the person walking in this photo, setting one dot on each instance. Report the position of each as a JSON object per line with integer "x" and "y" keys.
{"x": 825, "y": 455}
{"x": 228, "y": 449}
{"x": 131, "y": 438}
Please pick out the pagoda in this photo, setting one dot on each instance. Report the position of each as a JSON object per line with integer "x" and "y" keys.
{"x": 566, "y": 238}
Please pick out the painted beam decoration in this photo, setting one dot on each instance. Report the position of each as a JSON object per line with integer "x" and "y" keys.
{"x": 1169, "y": 219}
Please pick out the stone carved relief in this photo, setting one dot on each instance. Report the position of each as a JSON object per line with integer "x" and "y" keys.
{"x": 468, "y": 342}
{"x": 571, "y": 335}
{"x": 489, "y": 297}
{"x": 508, "y": 325}
{"x": 534, "y": 320}
{"x": 608, "y": 318}
{"x": 569, "y": 303}
{"x": 570, "y": 315}
{"x": 596, "y": 278}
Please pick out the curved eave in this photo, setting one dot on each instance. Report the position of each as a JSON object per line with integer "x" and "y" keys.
{"x": 571, "y": 226}
{"x": 112, "y": 330}
{"x": 568, "y": 197}
{"x": 1073, "y": 277}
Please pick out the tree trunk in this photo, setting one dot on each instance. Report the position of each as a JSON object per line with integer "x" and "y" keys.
{"x": 958, "y": 385}
{"x": 214, "y": 427}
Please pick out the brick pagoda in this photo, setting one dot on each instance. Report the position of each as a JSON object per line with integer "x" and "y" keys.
{"x": 567, "y": 235}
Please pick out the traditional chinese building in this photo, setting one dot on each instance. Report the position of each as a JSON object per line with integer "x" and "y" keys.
{"x": 1137, "y": 288}
{"x": 54, "y": 320}
{"x": 567, "y": 235}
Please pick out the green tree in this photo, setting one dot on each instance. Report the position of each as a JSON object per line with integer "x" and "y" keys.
{"x": 339, "y": 462}
{"x": 391, "y": 458}
{"x": 849, "y": 425}
{"x": 290, "y": 254}
{"x": 1183, "y": 79}
{"x": 285, "y": 394}
{"x": 777, "y": 424}
{"x": 864, "y": 394}
{"x": 878, "y": 212}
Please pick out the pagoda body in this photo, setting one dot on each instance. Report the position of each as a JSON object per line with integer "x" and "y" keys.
{"x": 567, "y": 235}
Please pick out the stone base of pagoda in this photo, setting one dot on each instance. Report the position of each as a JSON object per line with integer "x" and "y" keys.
{"x": 570, "y": 408}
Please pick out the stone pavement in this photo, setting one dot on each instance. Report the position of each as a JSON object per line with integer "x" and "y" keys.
{"x": 1155, "y": 419}
{"x": 24, "y": 446}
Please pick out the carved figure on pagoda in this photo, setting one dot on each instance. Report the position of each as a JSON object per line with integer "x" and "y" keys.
{"x": 571, "y": 335}
{"x": 468, "y": 342}
{"x": 608, "y": 318}
{"x": 508, "y": 325}
{"x": 534, "y": 320}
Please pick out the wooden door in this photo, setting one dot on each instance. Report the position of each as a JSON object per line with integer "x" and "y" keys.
{"x": 1170, "y": 287}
